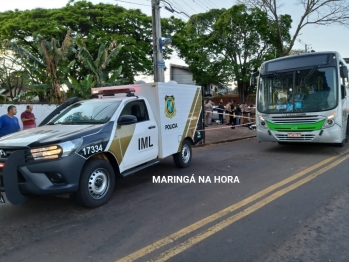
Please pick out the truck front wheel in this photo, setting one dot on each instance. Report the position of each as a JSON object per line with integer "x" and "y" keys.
{"x": 183, "y": 158}
{"x": 97, "y": 182}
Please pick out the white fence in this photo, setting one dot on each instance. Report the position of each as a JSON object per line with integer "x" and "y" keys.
{"x": 39, "y": 110}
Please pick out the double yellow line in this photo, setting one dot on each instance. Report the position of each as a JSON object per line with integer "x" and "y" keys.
{"x": 321, "y": 167}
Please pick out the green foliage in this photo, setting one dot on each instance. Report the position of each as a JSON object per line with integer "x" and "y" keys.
{"x": 52, "y": 57}
{"x": 98, "y": 24}
{"x": 47, "y": 62}
{"x": 222, "y": 46}
{"x": 106, "y": 55}
{"x": 80, "y": 88}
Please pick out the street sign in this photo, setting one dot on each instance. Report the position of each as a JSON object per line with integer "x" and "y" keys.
{"x": 161, "y": 64}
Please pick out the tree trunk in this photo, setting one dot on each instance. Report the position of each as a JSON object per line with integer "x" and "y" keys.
{"x": 56, "y": 92}
{"x": 242, "y": 91}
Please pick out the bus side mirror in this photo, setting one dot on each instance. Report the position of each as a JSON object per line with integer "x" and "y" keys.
{"x": 343, "y": 71}
{"x": 343, "y": 91}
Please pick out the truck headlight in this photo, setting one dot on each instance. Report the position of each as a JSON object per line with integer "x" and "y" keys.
{"x": 56, "y": 151}
{"x": 330, "y": 120}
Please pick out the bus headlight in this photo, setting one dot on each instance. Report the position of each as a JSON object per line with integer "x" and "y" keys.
{"x": 330, "y": 120}
{"x": 262, "y": 122}
{"x": 56, "y": 151}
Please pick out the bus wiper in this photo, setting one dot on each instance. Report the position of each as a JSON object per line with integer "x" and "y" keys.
{"x": 306, "y": 78}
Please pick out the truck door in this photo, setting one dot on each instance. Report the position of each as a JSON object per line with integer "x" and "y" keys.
{"x": 143, "y": 145}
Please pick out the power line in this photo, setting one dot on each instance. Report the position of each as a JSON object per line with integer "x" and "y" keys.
{"x": 209, "y": 4}
{"x": 131, "y": 2}
{"x": 197, "y": 2}
{"x": 189, "y": 6}
{"x": 180, "y": 8}
{"x": 177, "y": 14}
{"x": 173, "y": 10}
{"x": 205, "y": 4}
{"x": 213, "y": 4}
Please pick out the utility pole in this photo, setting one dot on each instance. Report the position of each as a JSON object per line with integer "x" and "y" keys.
{"x": 158, "y": 62}
{"x": 306, "y": 48}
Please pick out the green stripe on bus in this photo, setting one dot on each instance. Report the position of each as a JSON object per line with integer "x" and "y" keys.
{"x": 296, "y": 127}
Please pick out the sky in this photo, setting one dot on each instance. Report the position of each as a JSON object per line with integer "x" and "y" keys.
{"x": 318, "y": 38}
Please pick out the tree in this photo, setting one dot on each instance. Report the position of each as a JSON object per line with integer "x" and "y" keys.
{"x": 53, "y": 59}
{"x": 98, "y": 24}
{"x": 318, "y": 12}
{"x": 196, "y": 43}
{"x": 105, "y": 56}
{"x": 98, "y": 75}
{"x": 11, "y": 75}
{"x": 222, "y": 46}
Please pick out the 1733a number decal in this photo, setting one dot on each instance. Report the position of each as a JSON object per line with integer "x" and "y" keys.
{"x": 92, "y": 149}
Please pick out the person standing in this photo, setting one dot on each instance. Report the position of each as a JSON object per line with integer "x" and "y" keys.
{"x": 220, "y": 111}
{"x": 209, "y": 109}
{"x": 28, "y": 118}
{"x": 238, "y": 114}
{"x": 9, "y": 123}
{"x": 205, "y": 113}
{"x": 228, "y": 112}
{"x": 245, "y": 113}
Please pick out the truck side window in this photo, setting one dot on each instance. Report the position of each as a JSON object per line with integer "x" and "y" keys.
{"x": 138, "y": 109}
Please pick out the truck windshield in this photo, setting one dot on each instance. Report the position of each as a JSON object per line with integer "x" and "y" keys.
{"x": 300, "y": 91}
{"x": 87, "y": 112}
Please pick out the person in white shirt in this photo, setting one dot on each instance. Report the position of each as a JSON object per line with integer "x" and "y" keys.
{"x": 209, "y": 109}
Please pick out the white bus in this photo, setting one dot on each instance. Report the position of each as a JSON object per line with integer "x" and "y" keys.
{"x": 303, "y": 98}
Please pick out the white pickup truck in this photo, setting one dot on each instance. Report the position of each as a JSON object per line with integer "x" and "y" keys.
{"x": 119, "y": 131}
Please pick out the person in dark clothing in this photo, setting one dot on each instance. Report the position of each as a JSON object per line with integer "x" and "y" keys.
{"x": 238, "y": 114}
{"x": 220, "y": 110}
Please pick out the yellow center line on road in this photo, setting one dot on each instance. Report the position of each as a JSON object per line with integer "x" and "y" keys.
{"x": 171, "y": 238}
{"x": 221, "y": 225}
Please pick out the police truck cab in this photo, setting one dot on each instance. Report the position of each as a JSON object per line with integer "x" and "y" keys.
{"x": 119, "y": 131}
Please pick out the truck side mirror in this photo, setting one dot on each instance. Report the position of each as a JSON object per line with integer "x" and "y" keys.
{"x": 127, "y": 120}
{"x": 343, "y": 71}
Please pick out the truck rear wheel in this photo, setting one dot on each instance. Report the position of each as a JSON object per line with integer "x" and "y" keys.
{"x": 97, "y": 183}
{"x": 183, "y": 158}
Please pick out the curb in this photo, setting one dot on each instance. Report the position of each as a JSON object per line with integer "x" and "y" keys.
{"x": 225, "y": 141}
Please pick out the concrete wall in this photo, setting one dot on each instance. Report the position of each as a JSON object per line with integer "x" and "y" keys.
{"x": 39, "y": 110}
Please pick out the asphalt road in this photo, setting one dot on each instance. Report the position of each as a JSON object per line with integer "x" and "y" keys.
{"x": 291, "y": 204}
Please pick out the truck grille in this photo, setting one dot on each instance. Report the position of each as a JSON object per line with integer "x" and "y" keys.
{"x": 5, "y": 152}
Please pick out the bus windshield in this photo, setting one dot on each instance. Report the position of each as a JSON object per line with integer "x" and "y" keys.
{"x": 298, "y": 91}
